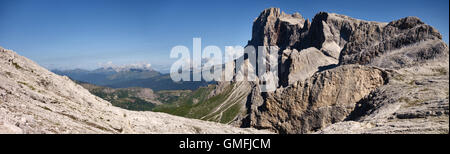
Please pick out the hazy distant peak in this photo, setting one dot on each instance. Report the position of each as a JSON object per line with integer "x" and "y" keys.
{"x": 126, "y": 67}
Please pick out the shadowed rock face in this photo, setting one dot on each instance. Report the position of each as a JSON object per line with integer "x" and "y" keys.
{"x": 329, "y": 65}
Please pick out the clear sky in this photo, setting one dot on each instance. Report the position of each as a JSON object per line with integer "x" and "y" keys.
{"x": 70, "y": 34}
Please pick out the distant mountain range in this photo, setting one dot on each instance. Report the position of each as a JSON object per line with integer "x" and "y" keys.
{"x": 143, "y": 77}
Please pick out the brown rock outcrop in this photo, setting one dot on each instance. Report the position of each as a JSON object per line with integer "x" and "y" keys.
{"x": 325, "y": 98}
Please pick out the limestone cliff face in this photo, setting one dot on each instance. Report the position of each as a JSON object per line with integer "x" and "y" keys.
{"x": 34, "y": 100}
{"x": 320, "y": 100}
{"x": 327, "y": 67}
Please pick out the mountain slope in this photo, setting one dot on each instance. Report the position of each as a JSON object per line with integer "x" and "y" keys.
{"x": 34, "y": 100}
{"x": 202, "y": 104}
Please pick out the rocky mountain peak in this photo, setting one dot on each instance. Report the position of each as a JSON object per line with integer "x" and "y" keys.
{"x": 269, "y": 12}
{"x": 272, "y": 27}
{"x": 368, "y": 42}
{"x": 407, "y": 22}
{"x": 340, "y": 40}
{"x": 331, "y": 64}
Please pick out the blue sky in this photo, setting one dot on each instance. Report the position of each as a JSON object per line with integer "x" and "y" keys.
{"x": 69, "y": 34}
